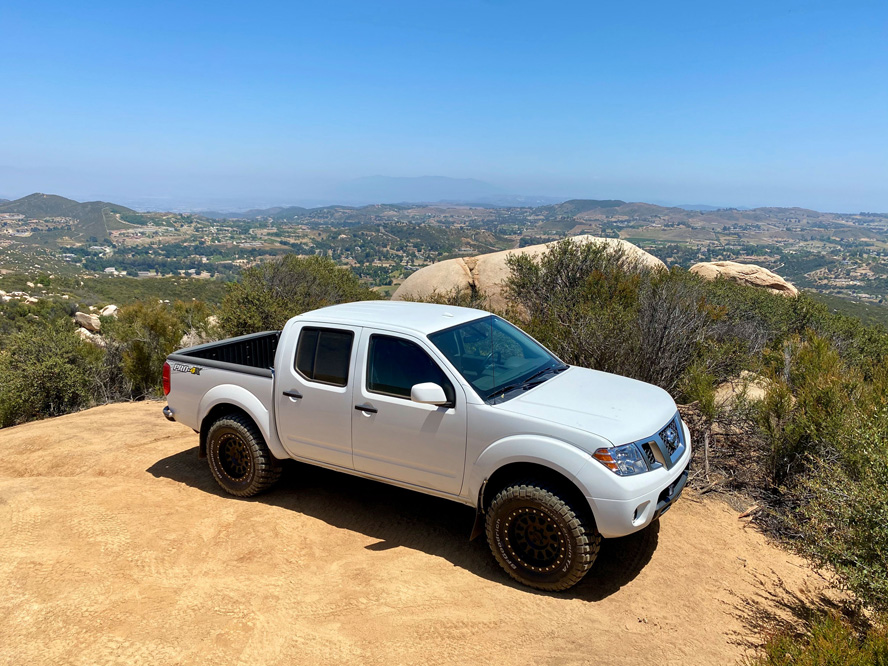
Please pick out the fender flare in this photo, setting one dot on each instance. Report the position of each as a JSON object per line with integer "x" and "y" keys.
{"x": 561, "y": 457}
{"x": 236, "y": 396}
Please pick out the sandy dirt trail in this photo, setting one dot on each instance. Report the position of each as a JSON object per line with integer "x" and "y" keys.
{"x": 117, "y": 547}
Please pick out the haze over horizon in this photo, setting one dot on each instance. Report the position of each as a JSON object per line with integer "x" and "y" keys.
{"x": 692, "y": 103}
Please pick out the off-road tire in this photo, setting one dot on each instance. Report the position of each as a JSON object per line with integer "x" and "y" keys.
{"x": 539, "y": 538}
{"x": 239, "y": 458}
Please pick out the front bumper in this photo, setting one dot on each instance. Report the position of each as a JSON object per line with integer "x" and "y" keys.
{"x": 623, "y": 516}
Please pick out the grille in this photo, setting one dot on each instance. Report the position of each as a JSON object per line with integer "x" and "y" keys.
{"x": 649, "y": 454}
{"x": 669, "y": 436}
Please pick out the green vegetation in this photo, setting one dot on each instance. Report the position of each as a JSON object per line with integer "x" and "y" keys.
{"x": 118, "y": 290}
{"x": 144, "y": 334}
{"x": 45, "y": 370}
{"x": 830, "y": 641}
{"x": 269, "y": 294}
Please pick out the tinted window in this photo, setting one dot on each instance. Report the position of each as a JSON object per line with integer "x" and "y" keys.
{"x": 397, "y": 365}
{"x": 323, "y": 355}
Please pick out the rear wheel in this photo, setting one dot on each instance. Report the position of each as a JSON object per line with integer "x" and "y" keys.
{"x": 239, "y": 458}
{"x": 539, "y": 537}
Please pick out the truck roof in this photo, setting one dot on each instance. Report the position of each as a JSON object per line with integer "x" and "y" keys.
{"x": 423, "y": 318}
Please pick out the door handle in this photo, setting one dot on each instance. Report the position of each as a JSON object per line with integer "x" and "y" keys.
{"x": 366, "y": 408}
{"x": 293, "y": 394}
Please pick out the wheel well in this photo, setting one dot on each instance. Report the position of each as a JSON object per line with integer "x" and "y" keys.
{"x": 523, "y": 471}
{"x": 214, "y": 415}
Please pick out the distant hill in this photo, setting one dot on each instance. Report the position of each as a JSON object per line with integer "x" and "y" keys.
{"x": 92, "y": 218}
{"x": 577, "y": 206}
{"x": 274, "y": 212}
{"x": 706, "y": 208}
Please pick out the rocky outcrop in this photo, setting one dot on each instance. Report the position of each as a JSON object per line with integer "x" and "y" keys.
{"x": 109, "y": 311}
{"x": 88, "y": 321}
{"x": 487, "y": 273}
{"x": 92, "y": 338}
{"x": 748, "y": 274}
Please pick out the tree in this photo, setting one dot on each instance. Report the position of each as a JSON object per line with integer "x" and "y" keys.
{"x": 272, "y": 292}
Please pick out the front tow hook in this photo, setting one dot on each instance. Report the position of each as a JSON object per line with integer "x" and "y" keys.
{"x": 168, "y": 413}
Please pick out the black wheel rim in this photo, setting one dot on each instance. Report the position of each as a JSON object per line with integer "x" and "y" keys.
{"x": 534, "y": 540}
{"x": 234, "y": 456}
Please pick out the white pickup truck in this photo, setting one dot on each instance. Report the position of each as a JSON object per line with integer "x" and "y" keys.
{"x": 449, "y": 401}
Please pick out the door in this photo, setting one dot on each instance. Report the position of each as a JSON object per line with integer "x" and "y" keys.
{"x": 396, "y": 438}
{"x": 313, "y": 398}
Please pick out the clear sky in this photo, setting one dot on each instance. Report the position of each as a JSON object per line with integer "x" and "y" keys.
{"x": 719, "y": 102}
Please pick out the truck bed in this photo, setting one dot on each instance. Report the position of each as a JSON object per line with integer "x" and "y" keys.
{"x": 253, "y": 354}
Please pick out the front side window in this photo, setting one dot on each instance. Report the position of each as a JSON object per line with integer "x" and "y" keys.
{"x": 495, "y": 357}
{"x": 324, "y": 354}
{"x": 396, "y": 365}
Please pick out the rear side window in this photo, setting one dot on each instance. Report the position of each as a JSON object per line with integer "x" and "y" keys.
{"x": 323, "y": 355}
{"x": 395, "y": 365}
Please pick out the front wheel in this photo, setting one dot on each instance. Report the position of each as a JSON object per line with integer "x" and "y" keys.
{"x": 539, "y": 538}
{"x": 239, "y": 458}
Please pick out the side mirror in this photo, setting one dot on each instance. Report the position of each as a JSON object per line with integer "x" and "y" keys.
{"x": 428, "y": 393}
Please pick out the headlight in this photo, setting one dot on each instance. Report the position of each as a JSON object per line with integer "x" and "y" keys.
{"x": 624, "y": 460}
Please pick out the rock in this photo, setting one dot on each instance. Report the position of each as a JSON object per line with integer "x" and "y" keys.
{"x": 88, "y": 321}
{"x": 92, "y": 338}
{"x": 30, "y": 284}
{"x": 30, "y": 300}
{"x": 109, "y": 311}
{"x": 486, "y": 273}
{"x": 748, "y": 387}
{"x": 192, "y": 338}
{"x": 748, "y": 274}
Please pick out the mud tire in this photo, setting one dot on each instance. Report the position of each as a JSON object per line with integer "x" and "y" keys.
{"x": 239, "y": 458}
{"x": 539, "y": 538}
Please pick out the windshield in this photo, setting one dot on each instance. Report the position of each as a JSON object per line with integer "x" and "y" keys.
{"x": 495, "y": 357}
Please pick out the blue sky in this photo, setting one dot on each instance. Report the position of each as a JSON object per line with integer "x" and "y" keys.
{"x": 728, "y": 103}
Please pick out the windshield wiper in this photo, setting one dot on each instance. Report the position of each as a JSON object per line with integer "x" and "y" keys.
{"x": 529, "y": 383}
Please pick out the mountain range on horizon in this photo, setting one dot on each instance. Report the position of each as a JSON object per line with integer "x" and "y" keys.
{"x": 358, "y": 192}
{"x": 96, "y": 218}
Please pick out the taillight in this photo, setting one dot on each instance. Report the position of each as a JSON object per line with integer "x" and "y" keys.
{"x": 166, "y": 378}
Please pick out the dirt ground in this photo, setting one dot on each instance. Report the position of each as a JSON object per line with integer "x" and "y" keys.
{"x": 117, "y": 547}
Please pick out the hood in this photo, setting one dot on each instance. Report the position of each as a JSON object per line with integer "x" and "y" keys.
{"x": 619, "y": 409}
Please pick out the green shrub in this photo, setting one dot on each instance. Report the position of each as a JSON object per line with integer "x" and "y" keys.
{"x": 595, "y": 307}
{"x": 143, "y": 335}
{"x": 272, "y": 292}
{"x": 830, "y": 641}
{"x": 842, "y": 516}
{"x": 45, "y": 370}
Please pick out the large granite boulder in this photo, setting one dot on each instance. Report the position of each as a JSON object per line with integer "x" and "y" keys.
{"x": 748, "y": 274}
{"x": 88, "y": 321}
{"x": 487, "y": 273}
{"x": 109, "y": 311}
